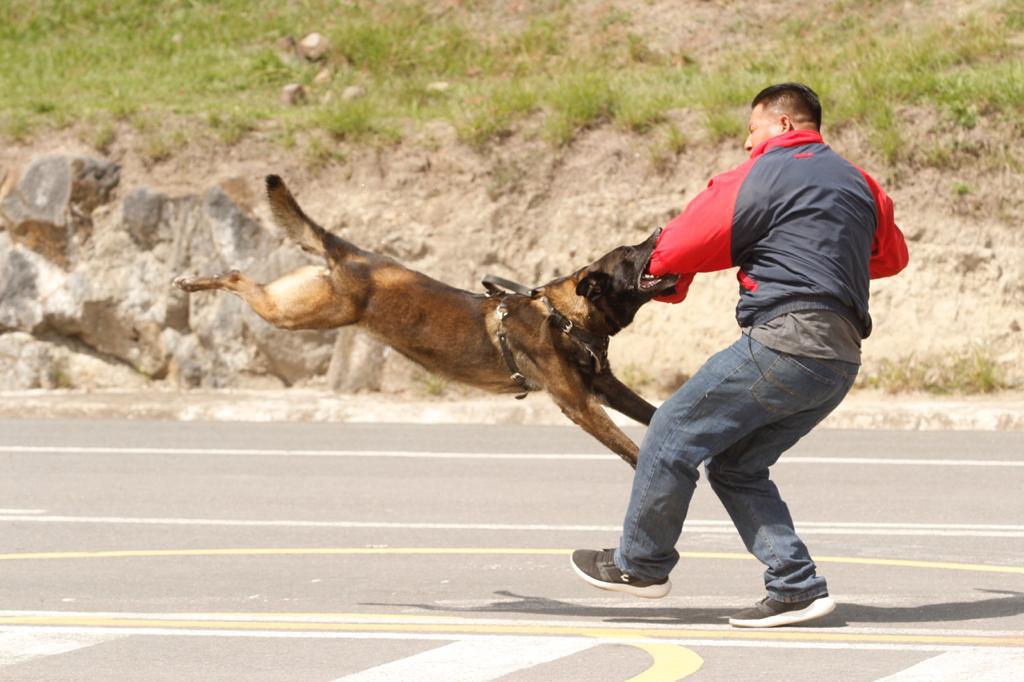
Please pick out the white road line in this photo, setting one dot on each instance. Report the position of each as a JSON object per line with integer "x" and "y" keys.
{"x": 371, "y": 454}
{"x": 478, "y": 660}
{"x": 19, "y": 645}
{"x": 991, "y": 665}
{"x": 693, "y": 526}
{"x": 22, "y": 511}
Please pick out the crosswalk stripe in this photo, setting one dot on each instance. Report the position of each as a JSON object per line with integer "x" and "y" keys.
{"x": 953, "y": 666}
{"x": 18, "y": 646}
{"x": 477, "y": 660}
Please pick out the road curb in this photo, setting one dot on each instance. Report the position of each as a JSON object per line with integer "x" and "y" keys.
{"x": 861, "y": 410}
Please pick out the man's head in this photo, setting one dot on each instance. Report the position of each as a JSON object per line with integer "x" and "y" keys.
{"x": 780, "y": 108}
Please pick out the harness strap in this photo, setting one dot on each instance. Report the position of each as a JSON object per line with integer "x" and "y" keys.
{"x": 506, "y": 351}
{"x": 494, "y": 286}
{"x": 596, "y": 346}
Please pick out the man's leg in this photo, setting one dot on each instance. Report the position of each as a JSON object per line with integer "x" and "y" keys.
{"x": 728, "y": 399}
{"x": 681, "y": 435}
{"x": 705, "y": 416}
{"x": 740, "y": 478}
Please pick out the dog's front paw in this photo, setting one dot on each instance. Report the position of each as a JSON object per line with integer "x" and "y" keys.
{"x": 184, "y": 283}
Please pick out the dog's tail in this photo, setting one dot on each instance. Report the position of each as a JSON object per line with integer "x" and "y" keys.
{"x": 290, "y": 217}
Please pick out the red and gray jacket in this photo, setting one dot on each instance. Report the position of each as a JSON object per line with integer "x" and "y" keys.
{"x": 806, "y": 227}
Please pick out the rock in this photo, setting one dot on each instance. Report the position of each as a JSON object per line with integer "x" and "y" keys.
{"x": 293, "y": 94}
{"x": 357, "y": 362}
{"x": 142, "y": 211}
{"x": 438, "y": 86}
{"x": 313, "y": 47}
{"x": 353, "y": 92}
{"x": 41, "y": 364}
{"x": 50, "y": 209}
{"x": 19, "y": 297}
{"x": 236, "y": 235}
{"x": 322, "y": 77}
{"x": 27, "y": 362}
{"x": 31, "y": 288}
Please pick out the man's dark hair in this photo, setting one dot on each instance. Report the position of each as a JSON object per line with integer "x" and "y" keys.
{"x": 795, "y": 99}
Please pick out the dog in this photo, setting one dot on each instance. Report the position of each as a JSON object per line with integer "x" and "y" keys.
{"x": 552, "y": 338}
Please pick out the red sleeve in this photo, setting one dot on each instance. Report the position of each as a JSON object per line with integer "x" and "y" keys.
{"x": 889, "y": 250}
{"x": 700, "y": 238}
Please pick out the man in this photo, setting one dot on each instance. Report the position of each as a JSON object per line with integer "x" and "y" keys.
{"x": 807, "y": 230}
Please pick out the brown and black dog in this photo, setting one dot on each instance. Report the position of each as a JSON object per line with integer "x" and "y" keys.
{"x": 552, "y": 338}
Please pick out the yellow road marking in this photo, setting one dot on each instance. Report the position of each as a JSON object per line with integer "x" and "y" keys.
{"x": 601, "y": 632}
{"x": 296, "y": 551}
{"x": 670, "y": 663}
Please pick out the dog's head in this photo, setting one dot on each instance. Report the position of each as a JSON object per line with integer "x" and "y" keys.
{"x": 617, "y": 284}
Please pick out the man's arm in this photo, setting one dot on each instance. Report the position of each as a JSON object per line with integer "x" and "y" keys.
{"x": 889, "y": 253}
{"x": 700, "y": 238}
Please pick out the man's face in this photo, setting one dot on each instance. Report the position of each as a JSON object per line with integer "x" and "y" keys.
{"x": 765, "y": 124}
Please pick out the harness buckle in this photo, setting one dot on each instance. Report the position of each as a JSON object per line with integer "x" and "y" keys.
{"x": 518, "y": 377}
{"x": 566, "y": 326}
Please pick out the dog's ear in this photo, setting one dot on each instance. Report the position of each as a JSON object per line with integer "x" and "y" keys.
{"x": 594, "y": 285}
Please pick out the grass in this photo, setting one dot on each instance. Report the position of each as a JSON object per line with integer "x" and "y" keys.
{"x": 973, "y": 371}
{"x": 218, "y": 65}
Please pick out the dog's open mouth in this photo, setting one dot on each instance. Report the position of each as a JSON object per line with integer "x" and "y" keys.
{"x": 649, "y": 284}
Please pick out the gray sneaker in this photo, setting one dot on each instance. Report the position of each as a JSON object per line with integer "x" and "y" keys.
{"x": 598, "y": 568}
{"x": 769, "y": 613}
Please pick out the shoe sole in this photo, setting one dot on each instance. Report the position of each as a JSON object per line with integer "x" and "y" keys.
{"x": 648, "y": 592}
{"x": 814, "y": 610}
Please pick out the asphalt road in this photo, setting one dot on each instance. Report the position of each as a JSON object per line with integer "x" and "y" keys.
{"x": 226, "y": 551}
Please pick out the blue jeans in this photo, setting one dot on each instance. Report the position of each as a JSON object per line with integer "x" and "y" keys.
{"x": 745, "y": 407}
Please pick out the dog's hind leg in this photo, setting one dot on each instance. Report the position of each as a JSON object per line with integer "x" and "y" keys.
{"x": 303, "y": 299}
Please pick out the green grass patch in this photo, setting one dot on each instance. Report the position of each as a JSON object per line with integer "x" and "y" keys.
{"x": 95, "y": 62}
{"x": 577, "y": 102}
{"x": 972, "y": 371}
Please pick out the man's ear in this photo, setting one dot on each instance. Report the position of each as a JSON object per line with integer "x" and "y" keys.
{"x": 594, "y": 285}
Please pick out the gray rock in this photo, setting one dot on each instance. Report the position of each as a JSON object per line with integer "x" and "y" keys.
{"x": 92, "y": 183}
{"x": 35, "y": 363}
{"x": 50, "y": 209}
{"x": 236, "y": 236}
{"x": 31, "y": 290}
{"x": 19, "y": 296}
{"x": 27, "y": 362}
{"x": 142, "y": 212}
{"x": 357, "y": 362}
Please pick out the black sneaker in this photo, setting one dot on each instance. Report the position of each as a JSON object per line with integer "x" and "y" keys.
{"x": 599, "y": 569}
{"x": 769, "y": 613}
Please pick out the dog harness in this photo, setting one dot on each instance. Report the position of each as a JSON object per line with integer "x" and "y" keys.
{"x": 595, "y": 346}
